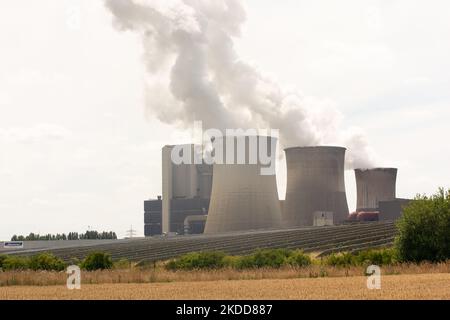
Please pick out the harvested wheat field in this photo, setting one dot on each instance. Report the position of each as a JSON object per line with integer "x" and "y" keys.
{"x": 419, "y": 286}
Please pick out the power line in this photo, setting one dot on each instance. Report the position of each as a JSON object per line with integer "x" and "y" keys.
{"x": 131, "y": 233}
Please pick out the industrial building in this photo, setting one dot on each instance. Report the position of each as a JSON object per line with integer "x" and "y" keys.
{"x": 220, "y": 198}
{"x": 153, "y": 217}
{"x": 373, "y": 186}
{"x": 315, "y": 185}
{"x": 242, "y": 198}
{"x": 186, "y": 190}
{"x": 392, "y": 210}
{"x": 376, "y": 195}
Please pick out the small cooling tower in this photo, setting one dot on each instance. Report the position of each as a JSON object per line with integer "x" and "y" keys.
{"x": 315, "y": 183}
{"x": 373, "y": 186}
{"x": 242, "y": 198}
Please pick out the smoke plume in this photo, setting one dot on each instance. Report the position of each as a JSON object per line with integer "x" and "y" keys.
{"x": 195, "y": 73}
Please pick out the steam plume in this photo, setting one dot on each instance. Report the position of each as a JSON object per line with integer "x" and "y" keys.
{"x": 195, "y": 73}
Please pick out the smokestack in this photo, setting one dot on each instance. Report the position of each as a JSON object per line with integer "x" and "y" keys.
{"x": 242, "y": 198}
{"x": 373, "y": 186}
{"x": 315, "y": 183}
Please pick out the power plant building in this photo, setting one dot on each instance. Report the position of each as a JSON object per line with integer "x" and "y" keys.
{"x": 237, "y": 196}
{"x": 186, "y": 190}
{"x": 373, "y": 186}
{"x": 242, "y": 197}
{"x": 315, "y": 183}
{"x": 393, "y": 209}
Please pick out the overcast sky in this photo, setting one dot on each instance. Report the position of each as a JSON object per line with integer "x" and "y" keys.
{"x": 78, "y": 150}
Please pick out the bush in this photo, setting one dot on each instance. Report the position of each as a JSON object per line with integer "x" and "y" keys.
{"x": 97, "y": 261}
{"x": 231, "y": 261}
{"x": 2, "y": 258}
{"x": 267, "y": 258}
{"x": 46, "y": 261}
{"x": 122, "y": 264}
{"x": 198, "y": 260}
{"x": 15, "y": 263}
{"x": 424, "y": 229}
{"x": 340, "y": 260}
{"x": 74, "y": 261}
{"x": 270, "y": 258}
{"x": 377, "y": 257}
{"x": 299, "y": 259}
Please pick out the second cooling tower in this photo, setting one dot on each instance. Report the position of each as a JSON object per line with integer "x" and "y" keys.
{"x": 242, "y": 198}
{"x": 315, "y": 184}
{"x": 373, "y": 186}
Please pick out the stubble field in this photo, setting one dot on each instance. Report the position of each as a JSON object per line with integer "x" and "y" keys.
{"x": 417, "y": 286}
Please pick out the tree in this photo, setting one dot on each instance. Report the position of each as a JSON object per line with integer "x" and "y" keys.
{"x": 88, "y": 235}
{"x": 424, "y": 229}
{"x": 97, "y": 261}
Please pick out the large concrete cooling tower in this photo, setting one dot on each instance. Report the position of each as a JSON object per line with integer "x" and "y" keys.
{"x": 315, "y": 183}
{"x": 374, "y": 185}
{"x": 242, "y": 198}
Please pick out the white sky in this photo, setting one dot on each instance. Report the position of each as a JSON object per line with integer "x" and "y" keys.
{"x": 78, "y": 150}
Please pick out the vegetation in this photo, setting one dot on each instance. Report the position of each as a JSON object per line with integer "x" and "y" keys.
{"x": 198, "y": 260}
{"x": 273, "y": 258}
{"x": 48, "y": 262}
{"x": 2, "y": 258}
{"x": 97, "y": 261}
{"x": 121, "y": 264}
{"x": 424, "y": 229}
{"x": 15, "y": 263}
{"x": 278, "y": 258}
{"x": 159, "y": 274}
{"x": 44, "y": 261}
{"x": 339, "y": 260}
{"x": 268, "y": 258}
{"x": 381, "y": 257}
{"x": 209, "y": 266}
{"x": 88, "y": 235}
{"x": 401, "y": 287}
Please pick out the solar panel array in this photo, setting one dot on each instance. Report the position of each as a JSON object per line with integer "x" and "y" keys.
{"x": 320, "y": 240}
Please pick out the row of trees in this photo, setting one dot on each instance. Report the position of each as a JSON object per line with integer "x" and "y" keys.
{"x": 88, "y": 235}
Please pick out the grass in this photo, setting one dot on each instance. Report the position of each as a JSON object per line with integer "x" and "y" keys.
{"x": 159, "y": 274}
{"x": 44, "y": 270}
{"x": 414, "y": 286}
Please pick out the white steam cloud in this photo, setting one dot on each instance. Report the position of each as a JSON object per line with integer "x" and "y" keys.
{"x": 195, "y": 73}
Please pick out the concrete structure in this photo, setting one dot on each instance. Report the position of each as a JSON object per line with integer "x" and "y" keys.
{"x": 373, "y": 186}
{"x": 322, "y": 219}
{"x": 183, "y": 208}
{"x": 180, "y": 209}
{"x": 242, "y": 198}
{"x": 153, "y": 217}
{"x": 281, "y": 207}
{"x": 167, "y": 190}
{"x": 392, "y": 210}
{"x": 315, "y": 182}
{"x": 186, "y": 189}
{"x": 195, "y": 224}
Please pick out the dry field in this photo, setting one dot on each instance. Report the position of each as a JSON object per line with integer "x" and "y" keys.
{"x": 419, "y": 286}
{"x": 160, "y": 275}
